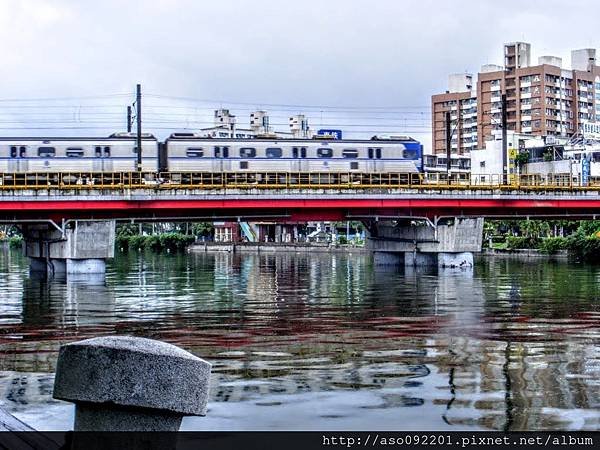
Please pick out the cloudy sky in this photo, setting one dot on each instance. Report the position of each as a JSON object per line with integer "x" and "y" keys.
{"x": 366, "y": 66}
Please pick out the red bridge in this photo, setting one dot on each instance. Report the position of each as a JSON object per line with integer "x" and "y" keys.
{"x": 299, "y": 205}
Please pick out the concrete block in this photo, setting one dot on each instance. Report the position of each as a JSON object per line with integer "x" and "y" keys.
{"x": 130, "y": 383}
{"x": 421, "y": 259}
{"x": 388, "y": 259}
{"x": 86, "y": 266}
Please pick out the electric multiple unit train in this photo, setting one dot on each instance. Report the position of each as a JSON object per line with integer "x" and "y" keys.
{"x": 193, "y": 153}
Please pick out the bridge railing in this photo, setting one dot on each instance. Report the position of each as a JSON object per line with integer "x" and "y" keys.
{"x": 288, "y": 180}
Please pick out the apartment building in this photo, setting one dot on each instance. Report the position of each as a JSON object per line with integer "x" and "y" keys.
{"x": 461, "y": 101}
{"x": 543, "y": 99}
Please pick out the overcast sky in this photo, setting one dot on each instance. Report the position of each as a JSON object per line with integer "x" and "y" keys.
{"x": 372, "y": 55}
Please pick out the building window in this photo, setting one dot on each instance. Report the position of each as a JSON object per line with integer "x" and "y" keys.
{"x": 349, "y": 153}
{"x": 247, "y": 152}
{"x": 73, "y": 152}
{"x": 192, "y": 152}
{"x": 324, "y": 152}
{"x": 273, "y": 152}
{"x": 46, "y": 152}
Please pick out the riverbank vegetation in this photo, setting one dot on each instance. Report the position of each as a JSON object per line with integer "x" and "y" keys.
{"x": 160, "y": 237}
{"x": 580, "y": 238}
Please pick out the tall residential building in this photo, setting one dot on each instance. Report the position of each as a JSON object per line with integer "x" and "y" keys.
{"x": 461, "y": 100}
{"x": 543, "y": 99}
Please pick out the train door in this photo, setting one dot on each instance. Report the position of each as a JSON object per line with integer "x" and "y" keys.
{"x": 226, "y": 163}
{"x": 302, "y": 162}
{"x": 295, "y": 161}
{"x": 371, "y": 168}
{"x": 18, "y": 159}
{"x": 23, "y": 161}
{"x": 97, "y": 161}
{"x": 107, "y": 162}
{"x": 218, "y": 159}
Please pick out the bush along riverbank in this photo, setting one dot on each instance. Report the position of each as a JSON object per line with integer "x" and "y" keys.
{"x": 582, "y": 244}
{"x": 164, "y": 242}
{"x": 159, "y": 237}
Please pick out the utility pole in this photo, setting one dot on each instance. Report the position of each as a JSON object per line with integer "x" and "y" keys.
{"x": 504, "y": 142}
{"x": 129, "y": 119}
{"x": 138, "y": 117}
{"x": 448, "y": 144}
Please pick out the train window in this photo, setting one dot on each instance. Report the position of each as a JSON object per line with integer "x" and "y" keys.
{"x": 353, "y": 165}
{"x": 13, "y": 152}
{"x": 370, "y": 153}
{"x": 243, "y": 164}
{"x": 194, "y": 152}
{"x": 22, "y": 151}
{"x": 350, "y": 153}
{"x": 98, "y": 151}
{"x": 46, "y": 152}
{"x": 73, "y": 152}
{"x": 324, "y": 152}
{"x": 295, "y": 152}
{"x": 225, "y": 152}
{"x": 409, "y": 153}
{"x": 106, "y": 152}
{"x": 273, "y": 152}
{"x": 217, "y": 152}
{"x": 378, "y": 153}
{"x": 302, "y": 152}
{"x": 247, "y": 152}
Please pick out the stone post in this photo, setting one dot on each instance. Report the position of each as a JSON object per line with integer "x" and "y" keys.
{"x": 121, "y": 383}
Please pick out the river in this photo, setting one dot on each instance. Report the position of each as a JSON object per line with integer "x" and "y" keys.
{"x": 326, "y": 341}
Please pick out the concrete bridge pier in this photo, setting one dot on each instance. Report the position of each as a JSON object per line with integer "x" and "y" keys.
{"x": 80, "y": 247}
{"x": 448, "y": 242}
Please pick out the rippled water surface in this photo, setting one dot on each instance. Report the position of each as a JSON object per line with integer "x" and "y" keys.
{"x": 320, "y": 341}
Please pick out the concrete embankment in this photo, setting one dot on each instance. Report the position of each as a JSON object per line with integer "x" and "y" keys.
{"x": 251, "y": 247}
{"x": 524, "y": 255}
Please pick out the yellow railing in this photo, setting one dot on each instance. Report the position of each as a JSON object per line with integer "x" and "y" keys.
{"x": 288, "y": 180}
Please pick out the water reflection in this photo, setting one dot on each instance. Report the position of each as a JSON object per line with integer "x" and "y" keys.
{"x": 328, "y": 341}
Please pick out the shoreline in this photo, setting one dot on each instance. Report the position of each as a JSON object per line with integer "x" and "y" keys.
{"x": 273, "y": 247}
{"x": 524, "y": 254}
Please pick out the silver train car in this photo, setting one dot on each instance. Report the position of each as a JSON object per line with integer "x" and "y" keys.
{"x": 116, "y": 153}
{"x": 188, "y": 152}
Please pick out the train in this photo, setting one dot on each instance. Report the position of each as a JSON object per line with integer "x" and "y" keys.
{"x": 196, "y": 153}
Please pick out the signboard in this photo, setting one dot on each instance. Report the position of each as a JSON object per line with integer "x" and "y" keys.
{"x": 512, "y": 154}
{"x": 590, "y": 130}
{"x": 335, "y": 134}
{"x": 585, "y": 171}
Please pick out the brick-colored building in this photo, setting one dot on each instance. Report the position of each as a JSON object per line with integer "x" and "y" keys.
{"x": 542, "y": 100}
